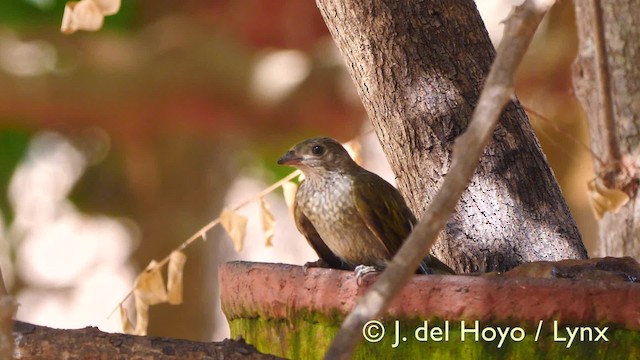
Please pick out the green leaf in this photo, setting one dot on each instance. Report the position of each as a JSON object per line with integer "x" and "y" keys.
{"x": 13, "y": 146}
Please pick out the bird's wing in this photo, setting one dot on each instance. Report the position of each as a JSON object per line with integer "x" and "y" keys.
{"x": 383, "y": 209}
{"x": 307, "y": 229}
{"x": 386, "y": 214}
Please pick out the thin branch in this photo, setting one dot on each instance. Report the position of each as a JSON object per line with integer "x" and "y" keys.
{"x": 564, "y": 132}
{"x": 519, "y": 30}
{"x": 203, "y": 231}
{"x": 35, "y": 342}
{"x": 612, "y": 153}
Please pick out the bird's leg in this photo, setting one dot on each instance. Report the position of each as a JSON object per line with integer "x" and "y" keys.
{"x": 318, "y": 263}
{"x": 362, "y": 270}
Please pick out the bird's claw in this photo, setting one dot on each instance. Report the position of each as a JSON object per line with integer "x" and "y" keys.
{"x": 318, "y": 263}
{"x": 362, "y": 270}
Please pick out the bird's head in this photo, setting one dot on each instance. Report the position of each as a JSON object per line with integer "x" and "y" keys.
{"x": 317, "y": 156}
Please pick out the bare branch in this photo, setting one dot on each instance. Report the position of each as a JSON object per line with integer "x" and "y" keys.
{"x": 34, "y": 342}
{"x": 612, "y": 153}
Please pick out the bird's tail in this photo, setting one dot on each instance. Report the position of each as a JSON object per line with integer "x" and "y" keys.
{"x": 432, "y": 265}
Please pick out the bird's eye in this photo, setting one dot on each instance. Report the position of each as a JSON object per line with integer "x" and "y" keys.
{"x": 317, "y": 150}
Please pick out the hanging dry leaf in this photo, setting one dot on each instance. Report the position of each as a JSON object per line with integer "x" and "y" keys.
{"x": 268, "y": 222}
{"x": 174, "y": 277}
{"x": 603, "y": 199}
{"x": 127, "y": 326}
{"x": 142, "y": 316}
{"x": 81, "y": 15}
{"x": 289, "y": 190}
{"x": 149, "y": 286}
{"x": 354, "y": 148}
{"x": 87, "y": 14}
{"x": 108, "y": 7}
{"x": 236, "y": 226}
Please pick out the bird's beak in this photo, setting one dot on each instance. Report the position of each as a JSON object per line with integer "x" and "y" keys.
{"x": 290, "y": 158}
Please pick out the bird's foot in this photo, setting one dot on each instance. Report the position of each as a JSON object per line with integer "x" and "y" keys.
{"x": 362, "y": 270}
{"x": 318, "y": 263}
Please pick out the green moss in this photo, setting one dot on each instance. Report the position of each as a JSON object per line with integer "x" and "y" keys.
{"x": 305, "y": 336}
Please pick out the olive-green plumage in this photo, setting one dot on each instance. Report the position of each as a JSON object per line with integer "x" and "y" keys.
{"x": 349, "y": 215}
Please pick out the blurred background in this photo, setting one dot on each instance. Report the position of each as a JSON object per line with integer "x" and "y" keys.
{"x": 116, "y": 146}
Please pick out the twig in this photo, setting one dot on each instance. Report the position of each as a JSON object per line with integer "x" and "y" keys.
{"x": 201, "y": 233}
{"x": 565, "y": 133}
{"x": 612, "y": 153}
{"x": 519, "y": 30}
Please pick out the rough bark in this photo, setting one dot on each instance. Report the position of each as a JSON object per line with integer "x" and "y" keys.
{"x": 35, "y": 342}
{"x": 418, "y": 68}
{"x": 606, "y": 76}
{"x": 468, "y": 148}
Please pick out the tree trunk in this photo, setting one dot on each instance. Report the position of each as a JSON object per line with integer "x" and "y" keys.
{"x": 419, "y": 67}
{"x": 606, "y": 76}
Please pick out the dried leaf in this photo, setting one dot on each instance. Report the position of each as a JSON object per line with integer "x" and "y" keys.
{"x": 268, "y": 222}
{"x": 108, "y": 7}
{"x": 127, "y": 326}
{"x": 149, "y": 286}
{"x": 174, "y": 281}
{"x": 82, "y": 15}
{"x": 236, "y": 226}
{"x": 142, "y": 317}
{"x": 354, "y": 148}
{"x": 603, "y": 199}
{"x": 289, "y": 190}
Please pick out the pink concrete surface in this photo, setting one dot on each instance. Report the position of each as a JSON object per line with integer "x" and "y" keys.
{"x": 272, "y": 291}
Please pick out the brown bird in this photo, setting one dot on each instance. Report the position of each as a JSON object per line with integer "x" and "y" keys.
{"x": 351, "y": 217}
